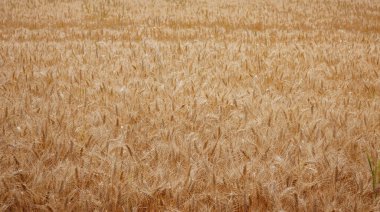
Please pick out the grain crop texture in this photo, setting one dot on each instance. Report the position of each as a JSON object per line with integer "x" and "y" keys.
{"x": 179, "y": 105}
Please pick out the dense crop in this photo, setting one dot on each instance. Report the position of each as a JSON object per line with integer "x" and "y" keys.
{"x": 189, "y": 105}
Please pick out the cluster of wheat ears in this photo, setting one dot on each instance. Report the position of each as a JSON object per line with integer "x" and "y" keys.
{"x": 129, "y": 105}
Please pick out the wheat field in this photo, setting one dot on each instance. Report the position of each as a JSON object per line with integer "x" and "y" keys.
{"x": 170, "y": 105}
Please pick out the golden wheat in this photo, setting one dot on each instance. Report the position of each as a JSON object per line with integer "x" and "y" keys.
{"x": 189, "y": 105}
